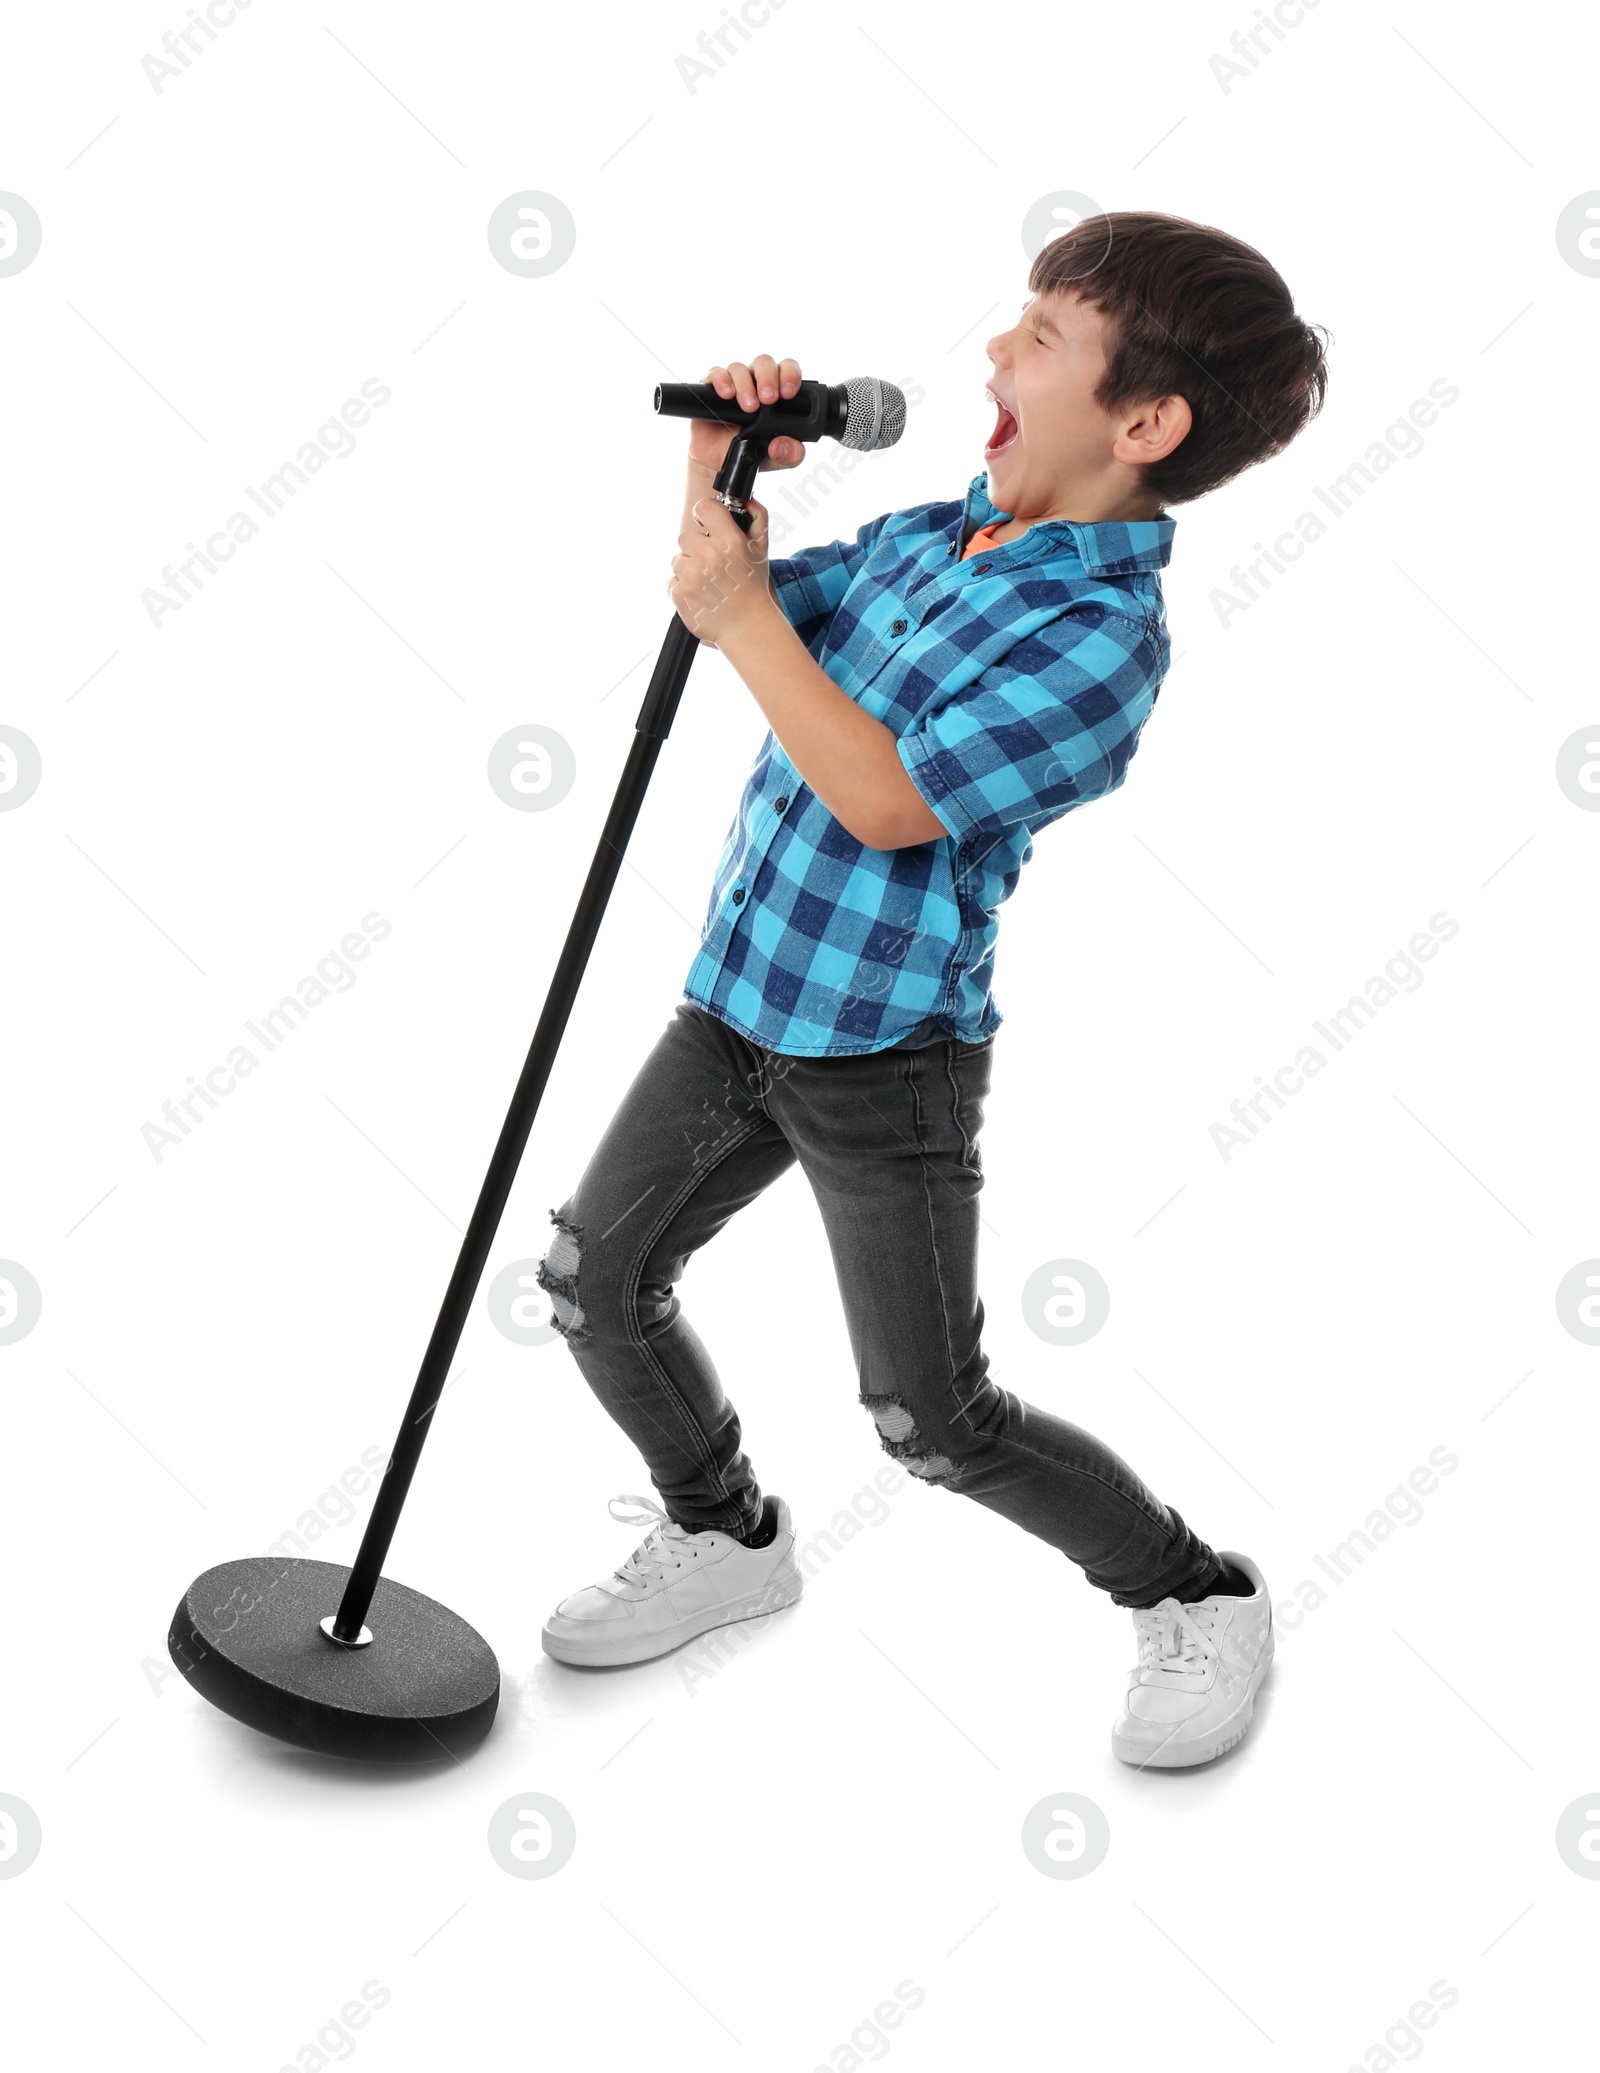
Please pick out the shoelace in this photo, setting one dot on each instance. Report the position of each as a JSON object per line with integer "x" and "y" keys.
{"x": 663, "y": 1547}
{"x": 1173, "y": 1640}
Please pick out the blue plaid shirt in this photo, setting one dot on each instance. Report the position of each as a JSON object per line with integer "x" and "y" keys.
{"x": 1016, "y": 683}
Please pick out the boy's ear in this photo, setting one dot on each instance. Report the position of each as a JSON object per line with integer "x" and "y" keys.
{"x": 1151, "y": 431}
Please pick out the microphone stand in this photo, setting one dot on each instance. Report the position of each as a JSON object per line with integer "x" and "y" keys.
{"x": 248, "y": 1634}
{"x": 733, "y": 485}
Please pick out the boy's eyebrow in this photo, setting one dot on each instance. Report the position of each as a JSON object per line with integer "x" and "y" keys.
{"x": 1046, "y": 322}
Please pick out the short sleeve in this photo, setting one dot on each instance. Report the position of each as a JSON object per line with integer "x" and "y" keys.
{"x": 1051, "y": 726}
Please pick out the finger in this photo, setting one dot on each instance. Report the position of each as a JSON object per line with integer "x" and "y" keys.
{"x": 743, "y": 385}
{"x": 764, "y": 370}
{"x": 789, "y": 376}
{"x": 720, "y": 380}
{"x": 707, "y": 513}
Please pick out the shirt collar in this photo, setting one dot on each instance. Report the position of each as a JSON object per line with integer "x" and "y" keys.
{"x": 1116, "y": 547}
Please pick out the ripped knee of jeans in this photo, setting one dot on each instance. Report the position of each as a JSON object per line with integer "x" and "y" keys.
{"x": 557, "y": 1275}
{"x": 900, "y": 1439}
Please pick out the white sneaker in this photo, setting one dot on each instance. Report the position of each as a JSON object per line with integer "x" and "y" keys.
{"x": 1193, "y": 1690}
{"x": 675, "y": 1585}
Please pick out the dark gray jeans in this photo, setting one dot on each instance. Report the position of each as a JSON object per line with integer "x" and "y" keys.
{"x": 889, "y": 1144}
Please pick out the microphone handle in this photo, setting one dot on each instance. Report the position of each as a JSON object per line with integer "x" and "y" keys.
{"x": 814, "y": 411}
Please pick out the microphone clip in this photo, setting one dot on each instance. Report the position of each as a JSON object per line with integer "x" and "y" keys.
{"x": 736, "y": 478}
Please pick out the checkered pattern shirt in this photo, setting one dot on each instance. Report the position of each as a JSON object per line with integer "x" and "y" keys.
{"x": 1015, "y": 683}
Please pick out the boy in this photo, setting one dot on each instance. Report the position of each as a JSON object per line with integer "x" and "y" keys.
{"x": 937, "y": 692}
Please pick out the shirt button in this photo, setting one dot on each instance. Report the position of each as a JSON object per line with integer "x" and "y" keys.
{"x": 779, "y": 804}
{"x": 738, "y": 895}
{"x": 898, "y": 627}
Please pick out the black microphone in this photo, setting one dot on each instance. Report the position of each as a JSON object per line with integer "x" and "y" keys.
{"x": 865, "y": 414}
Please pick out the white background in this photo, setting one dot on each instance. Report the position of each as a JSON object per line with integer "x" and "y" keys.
{"x": 1292, "y": 1330}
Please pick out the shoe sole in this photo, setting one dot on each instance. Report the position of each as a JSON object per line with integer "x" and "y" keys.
{"x": 1179, "y": 1756}
{"x": 600, "y": 1654}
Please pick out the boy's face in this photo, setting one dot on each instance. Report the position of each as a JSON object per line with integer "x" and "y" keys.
{"x": 1053, "y": 447}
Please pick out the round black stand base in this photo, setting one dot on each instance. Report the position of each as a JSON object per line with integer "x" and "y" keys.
{"x": 246, "y": 1635}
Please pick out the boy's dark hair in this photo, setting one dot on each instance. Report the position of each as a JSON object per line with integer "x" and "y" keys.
{"x": 1196, "y": 313}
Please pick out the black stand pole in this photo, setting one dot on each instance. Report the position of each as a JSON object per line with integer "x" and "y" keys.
{"x": 651, "y": 730}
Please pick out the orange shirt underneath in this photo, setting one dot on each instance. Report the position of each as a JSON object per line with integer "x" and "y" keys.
{"x": 983, "y": 537}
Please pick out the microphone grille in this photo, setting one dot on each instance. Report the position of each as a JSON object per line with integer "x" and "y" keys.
{"x": 875, "y": 414}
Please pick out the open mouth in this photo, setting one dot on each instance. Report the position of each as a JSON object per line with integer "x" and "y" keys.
{"x": 1006, "y": 429}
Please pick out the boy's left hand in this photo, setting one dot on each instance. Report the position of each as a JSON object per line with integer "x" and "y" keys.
{"x": 719, "y": 575}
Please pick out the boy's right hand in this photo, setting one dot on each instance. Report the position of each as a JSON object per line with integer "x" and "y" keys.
{"x": 763, "y": 381}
